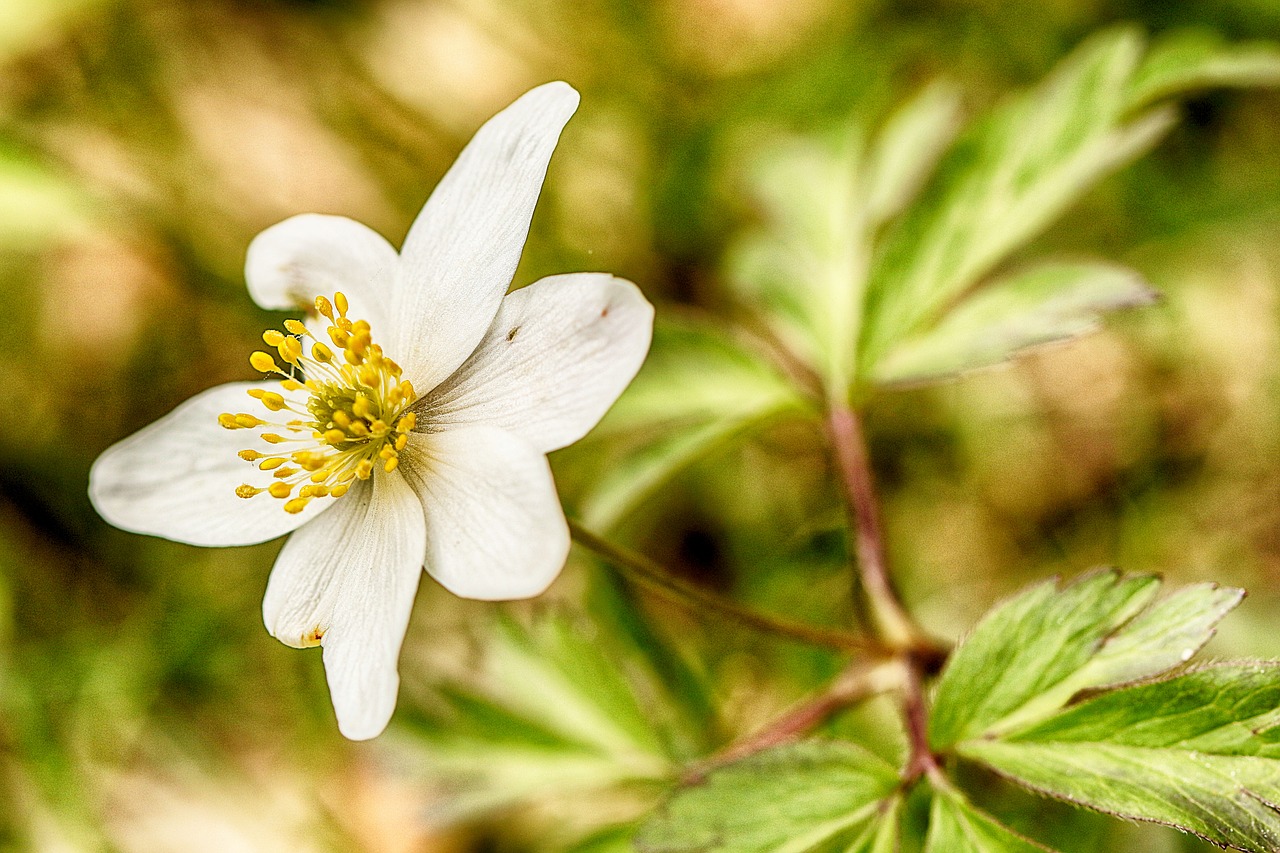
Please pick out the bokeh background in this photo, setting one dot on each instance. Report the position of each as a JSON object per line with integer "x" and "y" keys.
{"x": 143, "y": 143}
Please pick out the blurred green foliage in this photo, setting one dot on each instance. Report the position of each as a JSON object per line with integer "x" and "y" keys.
{"x": 144, "y": 142}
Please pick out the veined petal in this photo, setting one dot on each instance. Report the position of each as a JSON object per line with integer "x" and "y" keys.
{"x": 300, "y": 593}
{"x": 177, "y": 478}
{"x": 350, "y": 581}
{"x": 495, "y": 529}
{"x": 458, "y": 258}
{"x": 558, "y": 354}
{"x": 294, "y": 261}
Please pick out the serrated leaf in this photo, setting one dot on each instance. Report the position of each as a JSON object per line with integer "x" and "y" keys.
{"x": 698, "y": 389}
{"x": 956, "y": 826}
{"x": 1007, "y": 179}
{"x": 1043, "y": 304}
{"x": 1030, "y": 655}
{"x": 793, "y": 799}
{"x": 1200, "y": 751}
{"x": 1199, "y": 59}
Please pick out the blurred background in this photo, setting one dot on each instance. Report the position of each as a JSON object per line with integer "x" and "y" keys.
{"x": 143, "y": 143}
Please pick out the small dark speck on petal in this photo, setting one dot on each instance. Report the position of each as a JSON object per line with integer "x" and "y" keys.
{"x": 511, "y": 335}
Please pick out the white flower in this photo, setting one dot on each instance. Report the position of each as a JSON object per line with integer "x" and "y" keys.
{"x": 435, "y": 459}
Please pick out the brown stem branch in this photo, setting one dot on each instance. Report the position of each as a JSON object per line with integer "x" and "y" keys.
{"x": 654, "y": 577}
{"x": 895, "y": 626}
{"x": 860, "y": 681}
{"x": 922, "y": 760}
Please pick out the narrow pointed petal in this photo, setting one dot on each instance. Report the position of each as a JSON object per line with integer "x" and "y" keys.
{"x": 350, "y": 580}
{"x": 177, "y": 478}
{"x": 555, "y": 359}
{"x": 294, "y": 261}
{"x": 495, "y": 529}
{"x": 458, "y": 258}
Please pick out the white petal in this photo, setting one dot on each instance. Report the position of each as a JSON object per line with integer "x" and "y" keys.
{"x": 352, "y": 578}
{"x": 458, "y": 258}
{"x": 558, "y": 354}
{"x": 495, "y": 530}
{"x": 300, "y": 592}
{"x": 294, "y": 261}
{"x": 177, "y": 477}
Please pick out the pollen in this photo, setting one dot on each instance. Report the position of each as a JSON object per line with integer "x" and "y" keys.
{"x": 354, "y": 422}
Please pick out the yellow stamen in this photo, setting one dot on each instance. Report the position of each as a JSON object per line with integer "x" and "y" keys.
{"x": 280, "y": 490}
{"x": 296, "y": 327}
{"x": 296, "y": 505}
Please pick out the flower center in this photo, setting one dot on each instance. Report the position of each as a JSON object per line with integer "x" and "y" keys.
{"x": 355, "y": 418}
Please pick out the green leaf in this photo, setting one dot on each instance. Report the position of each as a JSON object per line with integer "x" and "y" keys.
{"x": 884, "y": 833}
{"x": 1200, "y": 751}
{"x": 1030, "y": 655}
{"x": 698, "y": 389}
{"x": 806, "y": 266}
{"x": 1200, "y": 59}
{"x": 794, "y": 799}
{"x": 1039, "y": 305}
{"x": 1007, "y": 179}
{"x": 956, "y": 826}
{"x": 907, "y": 149}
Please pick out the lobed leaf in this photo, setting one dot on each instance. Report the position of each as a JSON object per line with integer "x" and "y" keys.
{"x": 1039, "y": 305}
{"x": 1200, "y": 751}
{"x": 956, "y": 826}
{"x": 1199, "y": 59}
{"x": 809, "y": 796}
{"x": 1030, "y": 655}
{"x": 699, "y": 388}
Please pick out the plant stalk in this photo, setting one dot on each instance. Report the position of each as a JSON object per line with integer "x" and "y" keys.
{"x": 646, "y": 572}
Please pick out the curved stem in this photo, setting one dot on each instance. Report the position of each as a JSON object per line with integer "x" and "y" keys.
{"x": 860, "y": 681}
{"x": 844, "y": 429}
{"x": 644, "y": 571}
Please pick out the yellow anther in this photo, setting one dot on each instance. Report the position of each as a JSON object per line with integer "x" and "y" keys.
{"x": 375, "y": 355}
{"x": 320, "y": 476}
{"x": 284, "y": 473}
{"x": 347, "y": 476}
{"x": 339, "y": 337}
{"x": 361, "y": 327}
{"x": 250, "y": 455}
{"x": 308, "y": 461}
{"x": 271, "y": 463}
{"x": 407, "y": 423}
{"x": 296, "y": 327}
{"x": 296, "y": 505}
{"x": 290, "y": 350}
{"x": 343, "y": 323}
{"x": 369, "y": 376}
{"x": 335, "y": 436}
{"x": 353, "y": 358}
{"x": 361, "y": 407}
{"x": 272, "y": 338}
{"x": 247, "y": 491}
{"x": 379, "y": 428}
{"x": 323, "y": 306}
{"x": 226, "y": 420}
{"x": 263, "y": 362}
{"x": 321, "y": 353}
{"x": 339, "y": 491}
{"x": 364, "y": 468}
{"x": 273, "y": 401}
{"x": 387, "y": 452}
{"x": 272, "y": 438}
{"x": 280, "y": 490}
{"x": 255, "y": 393}
{"x": 401, "y": 441}
{"x": 358, "y": 429}
{"x": 391, "y": 464}
{"x": 291, "y": 385}
{"x": 247, "y": 421}
{"x": 341, "y": 419}
{"x": 340, "y": 300}
{"x": 406, "y": 388}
